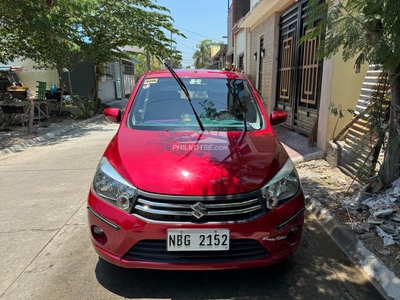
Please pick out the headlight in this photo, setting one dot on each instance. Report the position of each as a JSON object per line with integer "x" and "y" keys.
{"x": 112, "y": 187}
{"x": 285, "y": 184}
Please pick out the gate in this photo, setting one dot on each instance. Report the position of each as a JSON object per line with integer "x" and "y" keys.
{"x": 299, "y": 73}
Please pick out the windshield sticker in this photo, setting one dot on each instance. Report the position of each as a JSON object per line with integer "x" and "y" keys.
{"x": 195, "y": 81}
{"x": 146, "y": 85}
{"x": 151, "y": 80}
{"x": 255, "y": 125}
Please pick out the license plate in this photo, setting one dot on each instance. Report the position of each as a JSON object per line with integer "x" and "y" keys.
{"x": 197, "y": 239}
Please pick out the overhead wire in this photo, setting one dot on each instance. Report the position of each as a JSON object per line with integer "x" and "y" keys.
{"x": 194, "y": 32}
{"x": 196, "y": 9}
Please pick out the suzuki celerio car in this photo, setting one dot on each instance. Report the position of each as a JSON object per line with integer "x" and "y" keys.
{"x": 195, "y": 178}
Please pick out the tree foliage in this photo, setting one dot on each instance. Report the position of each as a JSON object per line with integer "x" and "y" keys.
{"x": 36, "y": 30}
{"x": 54, "y": 33}
{"x": 202, "y": 55}
{"x": 141, "y": 68}
{"x": 369, "y": 31}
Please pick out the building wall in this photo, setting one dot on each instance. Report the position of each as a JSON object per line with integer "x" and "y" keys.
{"x": 240, "y": 42}
{"x": 241, "y": 8}
{"x": 240, "y": 47}
{"x": 341, "y": 87}
{"x": 29, "y": 75}
{"x": 268, "y": 84}
{"x": 340, "y": 84}
{"x": 82, "y": 79}
{"x": 229, "y": 33}
{"x": 108, "y": 85}
{"x": 128, "y": 71}
{"x": 252, "y": 3}
{"x": 214, "y": 49}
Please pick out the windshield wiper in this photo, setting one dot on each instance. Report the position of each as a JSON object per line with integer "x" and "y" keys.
{"x": 184, "y": 89}
{"x": 239, "y": 104}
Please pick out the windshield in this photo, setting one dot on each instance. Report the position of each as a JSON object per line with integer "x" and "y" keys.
{"x": 162, "y": 105}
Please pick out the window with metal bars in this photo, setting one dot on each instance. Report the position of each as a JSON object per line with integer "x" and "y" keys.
{"x": 129, "y": 70}
{"x": 241, "y": 61}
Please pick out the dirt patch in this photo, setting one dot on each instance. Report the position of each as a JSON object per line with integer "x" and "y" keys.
{"x": 16, "y": 134}
{"x": 344, "y": 198}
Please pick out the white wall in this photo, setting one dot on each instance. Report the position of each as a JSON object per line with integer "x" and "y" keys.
{"x": 252, "y": 3}
{"x": 29, "y": 75}
{"x": 107, "y": 84}
{"x": 229, "y": 33}
{"x": 240, "y": 44}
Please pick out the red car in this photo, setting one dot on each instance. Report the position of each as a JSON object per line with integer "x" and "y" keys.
{"x": 195, "y": 178}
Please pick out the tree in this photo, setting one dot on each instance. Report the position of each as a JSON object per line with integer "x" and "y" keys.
{"x": 368, "y": 30}
{"x": 202, "y": 55}
{"x": 107, "y": 26}
{"x": 52, "y": 31}
{"x": 38, "y": 30}
{"x": 142, "y": 67}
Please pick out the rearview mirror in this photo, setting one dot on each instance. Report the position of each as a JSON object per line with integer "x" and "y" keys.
{"x": 278, "y": 117}
{"x": 113, "y": 114}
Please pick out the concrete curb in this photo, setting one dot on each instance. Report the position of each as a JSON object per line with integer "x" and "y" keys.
{"x": 50, "y": 135}
{"x": 307, "y": 157}
{"x": 382, "y": 278}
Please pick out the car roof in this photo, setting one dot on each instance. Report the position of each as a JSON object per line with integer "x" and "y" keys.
{"x": 197, "y": 73}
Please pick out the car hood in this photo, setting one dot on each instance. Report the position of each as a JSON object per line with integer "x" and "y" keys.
{"x": 196, "y": 163}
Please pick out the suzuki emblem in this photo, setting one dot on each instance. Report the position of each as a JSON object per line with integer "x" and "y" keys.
{"x": 199, "y": 210}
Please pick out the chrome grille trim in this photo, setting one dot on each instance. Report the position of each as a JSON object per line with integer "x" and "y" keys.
{"x": 163, "y": 212}
{"x": 188, "y": 213}
{"x": 173, "y": 205}
{"x": 232, "y": 212}
{"x": 176, "y": 208}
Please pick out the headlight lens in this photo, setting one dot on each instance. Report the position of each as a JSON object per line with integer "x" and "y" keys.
{"x": 283, "y": 185}
{"x": 112, "y": 187}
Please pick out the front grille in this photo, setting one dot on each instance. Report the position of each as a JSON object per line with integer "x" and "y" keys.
{"x": 198, "y": 209}
{"x": 156, "y": 251}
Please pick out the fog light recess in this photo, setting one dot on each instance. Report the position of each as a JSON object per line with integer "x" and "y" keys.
{"x": 98, "y": 230}
{"x": 293, "y": 234}
{"x": 99, "y": 235}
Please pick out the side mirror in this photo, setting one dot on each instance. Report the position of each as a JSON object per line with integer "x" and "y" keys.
{"x": 113, "y": 114}
{"x": 278, "y": 117}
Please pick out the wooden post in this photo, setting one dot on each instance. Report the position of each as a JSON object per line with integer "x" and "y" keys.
{"x": 31, "y": 115}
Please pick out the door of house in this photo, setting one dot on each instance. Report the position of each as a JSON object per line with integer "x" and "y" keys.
{"x": 299, "y": 73}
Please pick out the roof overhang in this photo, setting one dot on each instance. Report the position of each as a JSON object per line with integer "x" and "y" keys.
{"x": 257, "y": 11}
{"x": 220, "y": 52}
{"x": 130, "y": 61}
{"x": 132, "y": 49}
{"x": 10, "y": 68}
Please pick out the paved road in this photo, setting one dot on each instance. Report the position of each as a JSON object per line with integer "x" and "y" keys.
{"x": 45, "y": 251}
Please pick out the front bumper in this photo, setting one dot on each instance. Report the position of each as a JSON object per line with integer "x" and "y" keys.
{"x": 265, "y": 241}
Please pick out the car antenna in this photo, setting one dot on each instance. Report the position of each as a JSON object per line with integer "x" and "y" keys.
{"x": 239, "y": 104}
{"x": 184, "y": 89}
